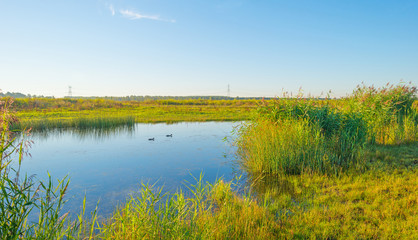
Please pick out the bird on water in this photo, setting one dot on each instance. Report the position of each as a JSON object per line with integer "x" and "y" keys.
{"x": 169, "y": 135}
{"x": 151, "y": 139}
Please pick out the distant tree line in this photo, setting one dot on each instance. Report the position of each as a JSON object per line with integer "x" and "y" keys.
{"x": 12, "y": 94}
{"x": 148, "y": 98}
{"x": 21, "y": 95}
{"x": 134, "y": 98}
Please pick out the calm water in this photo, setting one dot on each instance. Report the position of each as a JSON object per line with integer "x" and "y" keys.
{"x": 110, "y": 166}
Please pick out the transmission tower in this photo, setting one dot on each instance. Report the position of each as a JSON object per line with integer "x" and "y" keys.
{"x": 70, "y": 93}
{"x": 229, "y": 91}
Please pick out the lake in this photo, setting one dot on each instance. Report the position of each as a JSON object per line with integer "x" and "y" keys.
{"x": 110, "y": 165}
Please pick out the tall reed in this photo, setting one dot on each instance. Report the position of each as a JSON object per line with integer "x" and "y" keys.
{"x": 389, "y": 112}
{"x": 212, "y": 211}
{"x": 20, "y": 198}
{"x": 297, "y": 136}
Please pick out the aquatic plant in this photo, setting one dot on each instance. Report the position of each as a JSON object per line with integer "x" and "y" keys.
{"x": 389, "y": 112}
{"x": 212, "y": 211}
{"x": 23, "y": 198}
{"x": 297, "y": 136}
{"x": 97, "y": 122}
{"x": 293, "y": 136}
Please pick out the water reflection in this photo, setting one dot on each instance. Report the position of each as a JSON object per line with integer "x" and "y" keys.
{"x": 84, "y": 133}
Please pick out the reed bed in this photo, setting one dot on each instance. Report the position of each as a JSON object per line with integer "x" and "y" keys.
{"x": 390, "y": 112}
{"x": 213, "y": 211}
{"x": 300, "y": 138}
{"x": 296, "y": 136}
{"x": 39, "y": 119}
{"x": 97, "y": 122}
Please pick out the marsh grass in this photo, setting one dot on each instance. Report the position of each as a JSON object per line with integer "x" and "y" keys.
{"x": 390, "y": 112}
{"x": 368, "y": 141}
{"x": 378, "y": 203}
{"x": 296, "y": 136}
{"x": 65, "y": 113}
{"x": 210, "y": 211}
{"x": 97, "y": 122}
{"x": 299, "y": 137}
{"x": 318, "y": 169}
{"x": 23, "y": 197}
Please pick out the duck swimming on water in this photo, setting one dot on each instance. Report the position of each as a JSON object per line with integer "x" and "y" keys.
{"x": 169, "y": 135}
{"x": 151, "y": 139}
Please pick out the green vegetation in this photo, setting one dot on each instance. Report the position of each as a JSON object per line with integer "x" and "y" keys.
{"x": 24, "y": 198}
{"x": 378, "y": 203}
{"x": 43, "y": 113}
{"x": 213, "y": 211}
{"x": 316, "y": 169}
{"x": 97, "y": 122}
{"x": 389, "y": 111}
{"x": 295, "y": 136}
{"x": 327, "y": 172}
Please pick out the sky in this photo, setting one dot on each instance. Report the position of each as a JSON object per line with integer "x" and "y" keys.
{"x": 199, "y": 47}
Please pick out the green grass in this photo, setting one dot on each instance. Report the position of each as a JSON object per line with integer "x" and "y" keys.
{"x": 308, "y": 135}
{"x": 373, "y": 195}
{"x": 297, "y": 137}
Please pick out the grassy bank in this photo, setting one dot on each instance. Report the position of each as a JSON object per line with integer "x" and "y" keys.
{"x": 378, "y": 203}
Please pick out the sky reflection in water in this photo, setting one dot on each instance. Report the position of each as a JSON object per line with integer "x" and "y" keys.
{"x": 110, "y": 165}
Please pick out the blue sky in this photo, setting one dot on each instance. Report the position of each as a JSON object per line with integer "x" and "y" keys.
{"x": 155, "y": 47}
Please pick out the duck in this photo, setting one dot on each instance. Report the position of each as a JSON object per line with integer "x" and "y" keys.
{"x": 151, "y": 139}
{"x": 169, "y": 135}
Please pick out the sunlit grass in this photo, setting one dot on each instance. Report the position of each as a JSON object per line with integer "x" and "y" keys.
{"x": 379, "y": 203}
{"x": 211, "y": 211}
{"x": 50, "y": 118}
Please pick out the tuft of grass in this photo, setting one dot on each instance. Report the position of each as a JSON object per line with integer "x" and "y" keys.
{"x": 389, "y": 112}
{"x": 21, "y": 198}
{"x": 213, "y": 211}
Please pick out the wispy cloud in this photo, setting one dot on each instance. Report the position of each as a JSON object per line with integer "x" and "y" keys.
{"x": 112, "y": 9}
{"x": 135, "y": 16}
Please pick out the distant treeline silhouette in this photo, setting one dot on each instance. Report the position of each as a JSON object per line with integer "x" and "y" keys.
{"x": 133, "y": 97}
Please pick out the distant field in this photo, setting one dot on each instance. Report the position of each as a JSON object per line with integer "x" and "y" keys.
{"x": 42, "y": 113}
{"x": 45, "y": 113}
